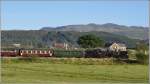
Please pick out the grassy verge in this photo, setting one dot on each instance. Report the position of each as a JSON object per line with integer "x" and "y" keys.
{"x": 46, "y": 71}
{"x": 76, "y": 61}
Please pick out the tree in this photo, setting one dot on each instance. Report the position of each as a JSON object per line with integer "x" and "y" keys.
{"x": 142, "y": 54}
{"x": 142, "y": 46}
{"x": 90, "y": 41}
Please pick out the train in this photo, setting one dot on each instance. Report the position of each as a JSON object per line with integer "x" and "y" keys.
{"x": 93, "y": 53}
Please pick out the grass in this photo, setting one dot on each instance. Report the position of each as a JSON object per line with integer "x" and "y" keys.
{"x": 51, "y": 72}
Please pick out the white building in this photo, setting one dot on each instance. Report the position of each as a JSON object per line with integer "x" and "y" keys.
{"x": 117, "y": 47}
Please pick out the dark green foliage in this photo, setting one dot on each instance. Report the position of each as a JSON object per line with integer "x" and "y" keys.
{"x": 142, "y": 58}
{"x": 142, "y": 46}
{"x": 142, "y": 53}
{"x": 90, "y": 41}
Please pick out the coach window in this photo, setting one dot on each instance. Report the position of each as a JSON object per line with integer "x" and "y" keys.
{"x": 26, "y": 51}
{"x": 31, "y": 51}
{"x": 49, "y": 51}
{"x": 40, "y": 52}
{"x": 45, "y": 52}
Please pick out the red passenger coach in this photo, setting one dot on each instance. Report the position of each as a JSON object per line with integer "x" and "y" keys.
{"x": 9, "y": 53}
{"x": 40, "y": 53}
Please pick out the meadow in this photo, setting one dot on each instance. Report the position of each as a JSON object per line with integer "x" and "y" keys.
{"x": 77, "y": 70}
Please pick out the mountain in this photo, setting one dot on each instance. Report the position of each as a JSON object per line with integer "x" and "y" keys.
{"x": 45, "y": 39}
{"x": 134, "y": 32}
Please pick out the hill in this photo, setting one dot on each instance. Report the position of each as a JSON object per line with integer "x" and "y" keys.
{"x": 134, "y": 32}
{"x": 45, "y": 39}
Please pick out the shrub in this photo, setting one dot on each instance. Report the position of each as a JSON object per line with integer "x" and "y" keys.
{"x": 142, "y": 58}
{"x": 132, "y": 54}
{"x": 90, "y": 41}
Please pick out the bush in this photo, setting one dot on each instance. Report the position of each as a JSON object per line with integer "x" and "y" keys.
{"x": 90, "y": 41}
{"x": 142, "y": 58}
{"x": 132, "y": 54}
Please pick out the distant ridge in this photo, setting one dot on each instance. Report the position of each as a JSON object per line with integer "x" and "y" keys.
{"x": 135, "y": 32}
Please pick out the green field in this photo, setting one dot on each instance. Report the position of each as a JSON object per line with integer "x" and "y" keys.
{"x": 50, "y": 72}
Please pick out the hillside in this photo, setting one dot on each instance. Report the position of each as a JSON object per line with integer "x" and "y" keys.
{"x": 43, "y": 39}
{"x": 134, "y": 32}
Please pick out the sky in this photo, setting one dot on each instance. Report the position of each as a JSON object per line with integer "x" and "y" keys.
{"x": 33, "y": 15}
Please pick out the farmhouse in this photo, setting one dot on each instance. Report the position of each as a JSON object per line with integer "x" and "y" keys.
{"x": 116, "y": 46}
{"x": 61, "y": 45}
{"x": 16, "y": 45}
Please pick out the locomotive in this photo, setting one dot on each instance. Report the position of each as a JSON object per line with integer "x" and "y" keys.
{"x": 105, "y": 53}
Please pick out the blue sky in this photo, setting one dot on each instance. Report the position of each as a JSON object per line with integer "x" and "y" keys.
{"x": 37, "y": 14}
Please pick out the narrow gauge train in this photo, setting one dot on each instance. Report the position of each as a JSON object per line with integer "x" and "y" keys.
{"x": 94, "y": 53}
